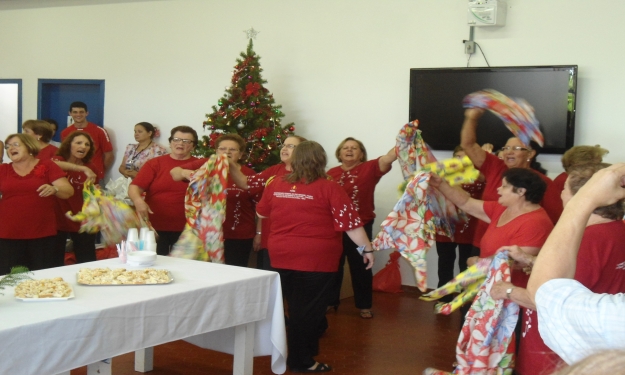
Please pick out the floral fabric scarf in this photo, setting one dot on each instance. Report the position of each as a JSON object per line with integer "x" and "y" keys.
{"x": 111, "y": 216}
{"x": 485, "y": 345}
{"x": 421, "y": 212}
{"x": 205, "y": 209}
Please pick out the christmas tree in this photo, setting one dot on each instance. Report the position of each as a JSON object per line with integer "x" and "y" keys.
{"x": 247, "y": 108}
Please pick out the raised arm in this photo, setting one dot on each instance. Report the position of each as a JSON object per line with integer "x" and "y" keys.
{"x": 71, "y": 167}
{"x": 558, "y": 257}
{"x": 386, "y": 160}
{"x": 468, "y": 136}
{"x": 460, "y": 198}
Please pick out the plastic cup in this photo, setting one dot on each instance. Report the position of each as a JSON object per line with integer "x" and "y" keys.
{"x": 150, "y": 237}
{"x": 143, "y": 233}
{"x": 133, "y": 235}
{"x": 150, "y": 246}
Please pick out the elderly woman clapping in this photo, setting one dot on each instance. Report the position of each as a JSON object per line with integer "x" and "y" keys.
{"x": 29, "y": 186}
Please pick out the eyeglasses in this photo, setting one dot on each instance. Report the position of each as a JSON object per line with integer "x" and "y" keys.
{"x": 514, "y": 148}
{"x": 185, "y": 141}
{"x": 287, "y": 146}
{"x": 226, "y": 149}
{"x": 14, "y": 144}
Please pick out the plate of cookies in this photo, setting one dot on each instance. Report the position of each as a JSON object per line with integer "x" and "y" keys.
{"x": 122, "y": 276}
{"x": 55, "y": 289}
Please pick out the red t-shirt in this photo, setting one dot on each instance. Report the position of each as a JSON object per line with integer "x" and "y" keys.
{"x": 600, "y": 268}
{"x": 101, "y": 140}
{"x": 26, "y": 215}
{"x": 256, "y": 184}
{"x": 47, "y": 152}
{"x": 530, "y": 229}
{"x": 601, "y": 258}
{"x": 534, "y": 358}
{"x": 558, "y": 182}
{"x": 240, "y": 222}
{"x": 74, "y": 203}
{"x": 307, "y": 223}
{"x": 165, "y": 196}
{"x": 464, "y": 231}
{"x": 493, "y": 169}
{"x": 359, "y": 184}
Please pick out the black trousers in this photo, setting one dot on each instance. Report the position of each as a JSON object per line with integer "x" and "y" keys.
{"x": 306, "y": 294}
{"x": 262, "y": 260}
{"x": 237, "y": 251}
{"x": 84, "y": 245}
{"x": 362, "y": 278}
{"x": 447, "y": 259}
{"x": 36, "y": 254}
{"x": 165, "y": 241}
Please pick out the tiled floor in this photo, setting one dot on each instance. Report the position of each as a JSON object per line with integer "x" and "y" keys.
{"x": 404, "y": 337}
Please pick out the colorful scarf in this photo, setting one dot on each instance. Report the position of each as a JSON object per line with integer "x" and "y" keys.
{"x": 466, "y": 283}
{"x": 455, "y": 171}
{"x": 421, "y": 212}
{"x": 517, "y": 114}
{"x": 205, "y": 210}
{"x": 110, "y": 216}
{"x": 485, "y": 345}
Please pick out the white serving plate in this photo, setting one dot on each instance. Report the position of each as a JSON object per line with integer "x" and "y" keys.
{"x": 47, "y": 299}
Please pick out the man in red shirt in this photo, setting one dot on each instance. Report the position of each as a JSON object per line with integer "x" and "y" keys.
{"x": 103, "y": 157}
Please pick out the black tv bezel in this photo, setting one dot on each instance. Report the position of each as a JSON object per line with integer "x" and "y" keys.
{"x": 570, "y": 126}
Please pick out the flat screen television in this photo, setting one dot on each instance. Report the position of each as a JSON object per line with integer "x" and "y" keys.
{"x": 436, "y": 101}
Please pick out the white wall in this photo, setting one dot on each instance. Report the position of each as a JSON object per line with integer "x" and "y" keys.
{"x": 339, "y": 68}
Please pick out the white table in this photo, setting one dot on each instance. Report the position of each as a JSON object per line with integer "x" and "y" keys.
{"x": 229, "y": 309}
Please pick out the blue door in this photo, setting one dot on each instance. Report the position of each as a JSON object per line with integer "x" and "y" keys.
{"x": 55, "y": 96}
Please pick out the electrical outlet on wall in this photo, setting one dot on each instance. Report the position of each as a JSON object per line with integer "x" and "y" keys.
{"x": 469, "y": 47}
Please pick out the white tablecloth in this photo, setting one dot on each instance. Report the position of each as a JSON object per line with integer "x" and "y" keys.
{"x": 203, "y": 305}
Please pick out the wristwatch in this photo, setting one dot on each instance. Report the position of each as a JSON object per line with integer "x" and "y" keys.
{"x": 508, "y": 291}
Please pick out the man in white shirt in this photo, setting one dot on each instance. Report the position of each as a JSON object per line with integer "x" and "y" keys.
{"x": 573, "y": 321}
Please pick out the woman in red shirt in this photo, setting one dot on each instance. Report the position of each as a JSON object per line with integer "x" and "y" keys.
{"x": 358, "y": 177}
{"x": 515, "y": 219}
{"x": 42, "y": 132}
{"x": 29, "y": 187}
{"x": 77, "y": 150}
{"x": 240, "y": 223}
{"x": 256, "y": 184}
{"x": 308, "y": 214}
{"x": 164, "y": 199}
{"x": 514, "y": 154}
{"x": 600, "y": 263}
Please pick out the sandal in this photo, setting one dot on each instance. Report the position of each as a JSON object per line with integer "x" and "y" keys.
{"x": 366, "y": 314}
{"x": 317, "y": 367}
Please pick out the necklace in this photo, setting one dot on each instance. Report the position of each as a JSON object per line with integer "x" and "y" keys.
{"x": 135, "y": 154}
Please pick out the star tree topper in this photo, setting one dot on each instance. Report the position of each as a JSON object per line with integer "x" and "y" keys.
{"x": 251, "y": 33}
